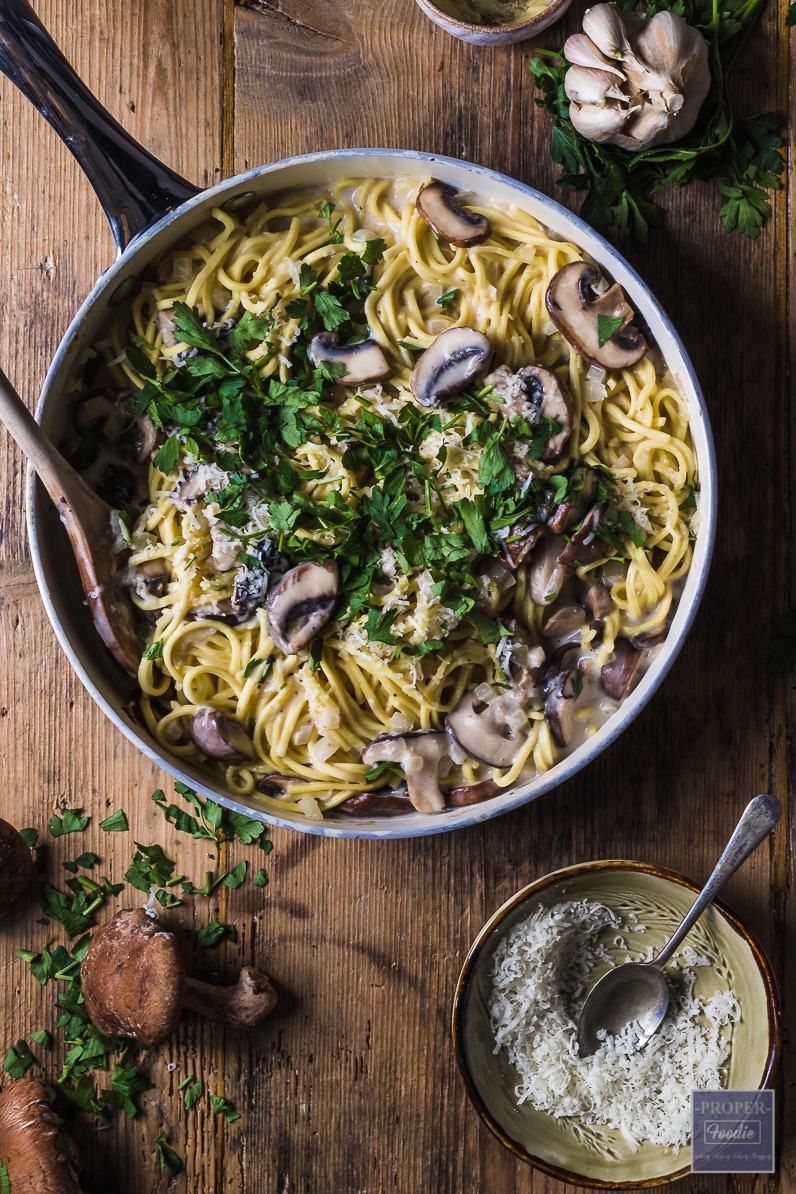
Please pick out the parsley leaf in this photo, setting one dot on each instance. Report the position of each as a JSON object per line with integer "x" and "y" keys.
{"x": 742, "y": 157}
{"x": 607, "y": 325}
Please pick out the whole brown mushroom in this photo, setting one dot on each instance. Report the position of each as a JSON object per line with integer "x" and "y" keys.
{"x": 16, "y": 867}
{"x": 38, "y": 1155}
{"x": 134, "y": 983}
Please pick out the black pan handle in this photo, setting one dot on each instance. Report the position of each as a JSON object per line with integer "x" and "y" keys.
{"x": 133, "y": 187}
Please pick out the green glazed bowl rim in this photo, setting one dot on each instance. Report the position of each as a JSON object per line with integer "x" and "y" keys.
{"x": 463, "y": 988}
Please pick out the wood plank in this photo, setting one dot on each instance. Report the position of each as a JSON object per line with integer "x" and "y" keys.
{"x": 351, "y": 1085}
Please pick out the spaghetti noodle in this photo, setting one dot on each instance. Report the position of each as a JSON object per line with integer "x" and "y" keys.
{"x": 435, "y": 523}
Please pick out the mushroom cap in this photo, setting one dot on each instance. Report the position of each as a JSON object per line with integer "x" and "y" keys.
{"x": 436, "y": 204}
{"x": 133, "y": 978}
{"x": 220, "y": 737}
{"x": 364, "y": 361}
{"x": 301, "y": 604}
{"x": 16, "y": 866}
{"x": 449, "y": 364}
{"x": 37, "y": 1154}
{"x": 575, "y": 305}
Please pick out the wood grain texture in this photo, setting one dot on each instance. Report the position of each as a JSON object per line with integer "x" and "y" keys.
{"x": 351, "y": 1085}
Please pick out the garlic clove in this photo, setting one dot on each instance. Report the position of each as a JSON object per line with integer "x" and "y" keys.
{"x": 596, "y": 123}
{"x": 580, "y": 50}
{"x": 644, "y": 128}
{"x": 589, "y": 86}
{"x": 603, "y": 24}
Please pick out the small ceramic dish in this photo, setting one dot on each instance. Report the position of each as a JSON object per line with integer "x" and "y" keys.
{"x": 493, "y": 22}
{"x": 601, "y": 1157}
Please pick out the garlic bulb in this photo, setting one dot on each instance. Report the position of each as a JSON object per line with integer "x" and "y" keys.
{"x": 635, "y": 81}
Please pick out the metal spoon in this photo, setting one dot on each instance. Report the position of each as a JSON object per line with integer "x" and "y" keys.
{"x": 637, "y": 992}
{"x": 86, "y": 518}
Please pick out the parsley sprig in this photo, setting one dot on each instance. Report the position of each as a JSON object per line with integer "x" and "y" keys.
{"x": 741, "y": 156}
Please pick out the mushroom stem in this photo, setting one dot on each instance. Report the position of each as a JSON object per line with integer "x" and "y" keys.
{"x": 242, "y": 1005}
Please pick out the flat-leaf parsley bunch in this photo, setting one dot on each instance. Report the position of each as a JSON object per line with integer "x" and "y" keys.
{"x": 741, "y": 156}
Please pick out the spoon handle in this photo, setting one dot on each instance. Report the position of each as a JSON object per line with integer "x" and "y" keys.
{"x": 757, "y": 820}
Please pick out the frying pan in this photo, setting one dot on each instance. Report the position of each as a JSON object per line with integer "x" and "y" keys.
{"x": 150, "y": 209}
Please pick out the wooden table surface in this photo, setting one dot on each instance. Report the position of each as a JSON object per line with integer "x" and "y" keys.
{"x": 351, "y": 1086}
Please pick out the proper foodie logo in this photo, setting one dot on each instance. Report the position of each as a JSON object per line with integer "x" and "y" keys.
{"x": 733, "y": 1131}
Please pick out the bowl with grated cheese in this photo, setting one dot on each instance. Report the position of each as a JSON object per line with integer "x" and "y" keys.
{"x": 620, "y": 1118}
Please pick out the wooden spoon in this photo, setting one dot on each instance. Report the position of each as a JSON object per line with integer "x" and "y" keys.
{"x": 87, "y": 519}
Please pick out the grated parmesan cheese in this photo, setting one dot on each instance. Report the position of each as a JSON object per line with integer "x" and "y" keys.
{"x": 541, "y": 974}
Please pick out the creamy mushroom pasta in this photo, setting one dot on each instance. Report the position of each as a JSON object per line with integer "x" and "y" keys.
{"x": 403, "y": 538}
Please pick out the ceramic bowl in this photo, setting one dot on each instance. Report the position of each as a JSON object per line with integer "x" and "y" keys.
{"x": 493, "y": 22}
{"x": 559, "y": 1147}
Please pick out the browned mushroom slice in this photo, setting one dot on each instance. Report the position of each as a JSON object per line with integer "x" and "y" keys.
{"x": 220, "y": 737}
{"x": 467, "y": 794}
{"x": 419, "y": 754}
{"x": 521, "y": 540}
{"x": 449, "y": 364}
{"x": 581, "y": 492}
{"x": 275, "y": 784}
{"x": 377, "y": 804}
{"x": 576, "y": 304}
{"x": 301, "y": 604}
{"x": 38, "y": 1156}
{"x": 134, "y": 983}
{"x": 547, "y": 573}
{"x": 586, "y": 545}
{"x": 147, "y": 439}
{"x": 436, "y": 204}
{"x": 16, "y": 866}
{"x": 598, "y": 600}
{"x": 565, "y": 621}
{"x": 616, "y": 674}
{"x": 650, "y": 638}
{"x": 562, "y": 684}
{"x": 363, "y": 361}
{"x": 491, "y": 733}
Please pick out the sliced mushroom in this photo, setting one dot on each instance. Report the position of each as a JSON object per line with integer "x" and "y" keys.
{"x": 575, "y": 301}
{"x": 616, "y": 674}
{"x": 598, "y": 600}
{"x": 363, "y": 361}
{"x": 650, "y": 638}
{"x": 487, "y": 732}
{"x": 377, "y": 804}
{"x": 467, "y": 794}
{"x": 586, "y": 545}
{"x": 191, "y": 488}
{"x": 546, "y": 572}
{"x": 562, "y": 684}
{"x": 521, "y": 541}
{"x": 220, "y": 737}
{"x": 301, "y": 604}
{"x": 535, "y": 393}
{"x": 419, "y": 754}
{"x": 275, "y": 784}
{"x": 565, "y": 621}
{"x": 581, "y": 491}
{"x": 150, "y": 578}
{"x": 436, "y": 204}
{"x": 449, "y": 364}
